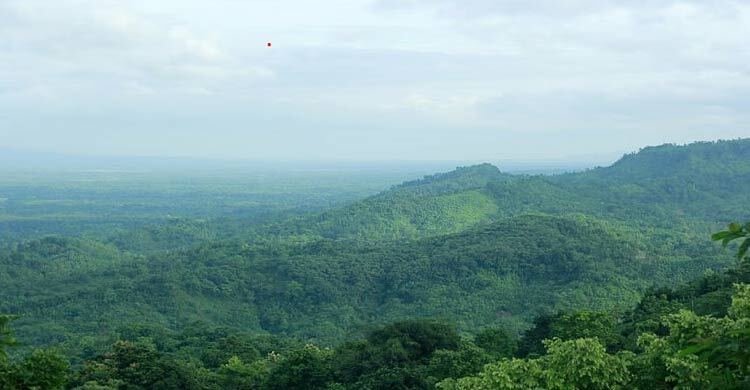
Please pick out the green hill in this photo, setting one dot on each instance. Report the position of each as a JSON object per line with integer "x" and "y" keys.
{"x": 474, "y": 246}
{"x": 437, "y": 204}
{"x": 700, "y": 158}
{"x": 657, "y": 186}
{"x": 505, "y": 272}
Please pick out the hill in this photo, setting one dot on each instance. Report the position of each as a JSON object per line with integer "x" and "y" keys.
{"x": 705, "y": 158}
{"x": 75, "y": 291}
{"x": 663, "y": 185}
{"x": 475, "y": 246}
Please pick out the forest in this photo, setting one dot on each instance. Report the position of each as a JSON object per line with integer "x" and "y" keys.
{"x": 635, "y": 275}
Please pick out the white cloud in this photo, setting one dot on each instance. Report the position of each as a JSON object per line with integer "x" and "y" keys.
{"x": 639, "y": 71}
{"x": 93, "y": 48}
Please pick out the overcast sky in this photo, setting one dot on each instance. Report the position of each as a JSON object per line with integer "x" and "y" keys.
{"x": 371, "y": 80}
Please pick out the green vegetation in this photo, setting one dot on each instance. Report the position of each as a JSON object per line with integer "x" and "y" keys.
{"x": 675, "y": 187}
{"x": 735, "y": 231}
{"x": 503, "y": 273}
{"x": 660, "y": 343}
{"x": 671, "y": 347}
{"x": 228, "y": 199}
{"x": 42, "y": 369}
{"x": 469, "y": 279}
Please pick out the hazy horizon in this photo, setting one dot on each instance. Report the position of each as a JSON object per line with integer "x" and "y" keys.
{"x": 42, "y": 162}
{"x": 379, "y": 80}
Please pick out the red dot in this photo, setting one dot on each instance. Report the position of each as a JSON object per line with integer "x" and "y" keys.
{"x": 268, "y": 44}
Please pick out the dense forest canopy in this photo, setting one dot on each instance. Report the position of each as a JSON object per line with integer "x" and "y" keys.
{"x": 473, "y": 278}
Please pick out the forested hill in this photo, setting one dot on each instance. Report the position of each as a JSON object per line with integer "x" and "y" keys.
{"x": 474, "y": 246}
{"x": 460, "y": 179}
{"x": 657, "y": 185}
{"x": 700, "y": 158}
{"x": 73, "y": 291}
{"x": 438, "y": 204}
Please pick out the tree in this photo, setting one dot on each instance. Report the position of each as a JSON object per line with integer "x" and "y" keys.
{"x": 6, "y": 336}
{"x": 467, "y": 360}
{"x": 573, "y": 364}
{"x": 584, "y": 364}
{"x": 569, "y": 326}
{"x": 42, "y": 369}
{"x": 138, "y": 365}
{"x": 496, "y": 341}
{"x": 306, "y": 368}
{"x": 236, "y": 374}
{"x": 399, "y": 355}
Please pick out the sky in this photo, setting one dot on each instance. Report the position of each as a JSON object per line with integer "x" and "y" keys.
{"x": 371, "y": 80}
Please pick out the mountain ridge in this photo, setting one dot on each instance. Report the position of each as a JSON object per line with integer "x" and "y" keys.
{"x": 452, "y": 201}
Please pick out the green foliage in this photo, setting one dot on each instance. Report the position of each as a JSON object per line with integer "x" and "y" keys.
{"x": 41, "y": 369}
{"x": 413, "y": 340}
{"x": 306, "y": 368}
{"x": 410, "y": 354}
{"x": 503, "y": 273}
{"x": 236, "y": 374}
{"x": 468, "y": 359}
{"x": 573, "y": 364}
{"x": 570, "y": 326}
{"x": 6, "y": 336}
{"x": 735, "y": 231}
{"x": 137, "y": 366}
{"x": 700, "y": 351}
{"x": 583, "y": 364}
{"x": 688, "y": 351}
{"x": 695, "y": 352}
{"x": 395, "y": 355}
{"x": 496, "y": 341}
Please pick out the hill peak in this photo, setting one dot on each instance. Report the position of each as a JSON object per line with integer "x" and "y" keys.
{"x": 473, "y": 176}
{"x": 697, "y": 157}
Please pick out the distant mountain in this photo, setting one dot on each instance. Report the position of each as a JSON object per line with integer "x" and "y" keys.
{"x": 700, "y": 158}
{"x": 705, "y": 181}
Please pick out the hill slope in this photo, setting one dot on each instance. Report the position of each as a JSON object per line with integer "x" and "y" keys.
{"x": 658, "y": 186}
{"x": 505, "y": 272}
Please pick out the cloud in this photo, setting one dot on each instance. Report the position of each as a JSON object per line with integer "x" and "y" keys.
{"x": 95, "y": 48}
{"x": 470, "y": 71}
